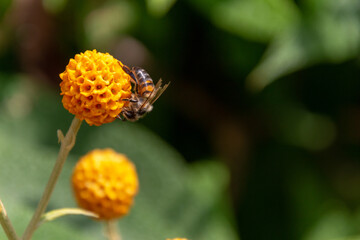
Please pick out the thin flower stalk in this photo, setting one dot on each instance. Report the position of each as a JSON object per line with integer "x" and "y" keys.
{"x": 6, "y": 224}
{"x": 67, "y": 143}
{"x": 112, "y": 232}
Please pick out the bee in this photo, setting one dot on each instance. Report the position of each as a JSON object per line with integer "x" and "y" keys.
{"x": 144, "y": 96}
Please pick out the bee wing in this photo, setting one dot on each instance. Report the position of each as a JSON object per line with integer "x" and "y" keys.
{"x": 159, "y": 90}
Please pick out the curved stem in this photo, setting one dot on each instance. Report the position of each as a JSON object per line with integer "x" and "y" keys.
{"x": 6, "y": 224}
{"x": 67, "y": 143}
{"x": 112, "y": 232}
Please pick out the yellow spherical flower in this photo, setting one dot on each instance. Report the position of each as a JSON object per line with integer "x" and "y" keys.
{"x": 94, "y": 86}
{"x": 105, "y": 182}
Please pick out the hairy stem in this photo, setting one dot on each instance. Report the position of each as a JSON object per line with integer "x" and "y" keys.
{"x": 112, "y": 232}
{"x": 6, "y": 224}
{"x": 67, "y": 143}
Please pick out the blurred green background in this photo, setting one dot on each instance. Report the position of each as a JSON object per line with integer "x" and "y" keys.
{"x": 257, "y": 137}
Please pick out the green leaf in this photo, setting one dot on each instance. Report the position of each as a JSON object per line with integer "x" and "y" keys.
{"x": 159, "y": 7}
{"x": 54, "y": 6}
{"x": 332, "y": 226}
{"x": 4, "y": 6}
{"x": 329, "y": 32}
{"x": 167, "y": 205}
{"x": 257, "y": 20}
{"x": 103, "y": 25}
{"x": 288, "y": 53}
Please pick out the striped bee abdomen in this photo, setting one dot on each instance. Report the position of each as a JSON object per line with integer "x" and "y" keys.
{"x": 144, "y": 83}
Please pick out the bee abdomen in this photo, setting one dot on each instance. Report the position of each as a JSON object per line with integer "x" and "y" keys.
{"x": 141, "y": 75}
{"x": 144, "y": 82}
{"x": 146, "y": 88}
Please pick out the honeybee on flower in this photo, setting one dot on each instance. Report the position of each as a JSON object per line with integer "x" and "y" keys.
{"x": 144, "y": 96}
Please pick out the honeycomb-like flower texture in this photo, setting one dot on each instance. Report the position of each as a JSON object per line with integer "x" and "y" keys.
{"x": 94, "y": 86}
{"x": 105, "y": 182}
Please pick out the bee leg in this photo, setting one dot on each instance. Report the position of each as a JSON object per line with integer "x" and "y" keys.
{"x": 129, "y": 100}
{"x": 126, "y": 69}
{"x": 130, "y": 73}
{"x": 133, "y": 79}
{"x": 122, "y": 118}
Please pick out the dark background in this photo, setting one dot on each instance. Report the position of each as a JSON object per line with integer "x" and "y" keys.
{"x": 268, "y": 89}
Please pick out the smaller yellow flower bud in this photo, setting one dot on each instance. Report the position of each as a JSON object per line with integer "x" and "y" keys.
{"x": 105, "y": 182}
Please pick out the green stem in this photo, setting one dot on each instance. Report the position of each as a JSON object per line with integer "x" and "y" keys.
{"x": 112, "y": 232}
{"x": 67, "y": 143}
{"x": 6, "y": 224}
